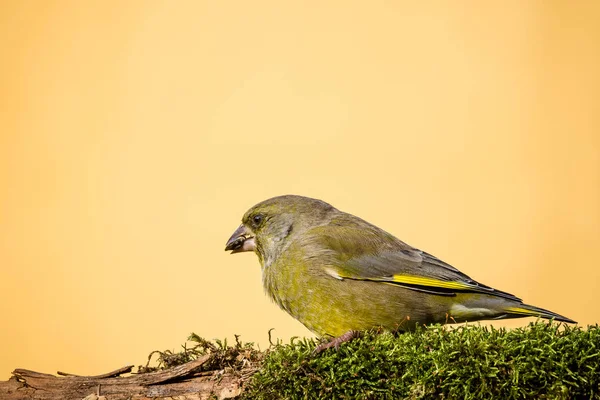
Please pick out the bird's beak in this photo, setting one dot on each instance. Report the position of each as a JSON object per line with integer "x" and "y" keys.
{"x": 241, "y": 240}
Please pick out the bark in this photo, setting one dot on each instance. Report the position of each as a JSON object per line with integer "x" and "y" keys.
{"x": 187, "y": 381}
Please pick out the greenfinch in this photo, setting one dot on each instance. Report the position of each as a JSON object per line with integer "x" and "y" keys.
{"x": 338, "y": 274}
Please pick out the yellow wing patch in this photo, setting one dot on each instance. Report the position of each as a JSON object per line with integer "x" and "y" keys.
{"x": 431, "y": 282}
{"x": 523, "y": 311}
{"x": 410, "y": 280}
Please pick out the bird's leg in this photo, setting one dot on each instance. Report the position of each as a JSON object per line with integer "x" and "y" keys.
{"x": 335, "y": 342}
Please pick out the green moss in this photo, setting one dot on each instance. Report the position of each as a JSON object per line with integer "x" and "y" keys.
{"x": 470, "y": 362}
{"x": 540, "y": 361}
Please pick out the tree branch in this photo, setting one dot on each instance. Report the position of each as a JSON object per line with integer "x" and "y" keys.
{"x": 187, "y": 381}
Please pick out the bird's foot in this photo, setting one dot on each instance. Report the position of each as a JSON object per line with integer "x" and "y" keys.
{"x": 335, "y": 342}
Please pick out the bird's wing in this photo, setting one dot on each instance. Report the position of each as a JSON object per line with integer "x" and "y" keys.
{"x": 362, "y": 251}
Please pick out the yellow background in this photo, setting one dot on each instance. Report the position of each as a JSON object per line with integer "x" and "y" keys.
{"x": 134, "y": 135}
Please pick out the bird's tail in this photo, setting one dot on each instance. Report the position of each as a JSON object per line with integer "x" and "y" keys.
{"x": 525, "y": 310}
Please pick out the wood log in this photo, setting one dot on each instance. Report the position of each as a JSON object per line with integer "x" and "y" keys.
{"x": 187, "y": 381}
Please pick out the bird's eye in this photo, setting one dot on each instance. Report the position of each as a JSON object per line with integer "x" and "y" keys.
{"x": 257, "y": 219}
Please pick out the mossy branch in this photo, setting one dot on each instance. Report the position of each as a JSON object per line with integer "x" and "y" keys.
{"x": 470, "y": 362}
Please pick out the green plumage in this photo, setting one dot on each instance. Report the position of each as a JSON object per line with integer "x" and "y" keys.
{"x": 335, "y": 272}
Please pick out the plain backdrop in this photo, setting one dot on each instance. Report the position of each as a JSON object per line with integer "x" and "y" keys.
{"x": 135, "y": 134}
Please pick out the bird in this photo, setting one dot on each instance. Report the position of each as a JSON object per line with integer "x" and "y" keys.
{"x": 340, "y": 275}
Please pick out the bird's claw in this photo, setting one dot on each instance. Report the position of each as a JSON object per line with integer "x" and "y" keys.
{"x": 337, "y": 341}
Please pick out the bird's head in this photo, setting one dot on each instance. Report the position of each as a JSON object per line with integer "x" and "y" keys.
{"x": 268, "y": 227}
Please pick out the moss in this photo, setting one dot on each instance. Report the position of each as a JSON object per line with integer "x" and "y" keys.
{"x": 541, "y": 361}
{"x": 469, "y": 362}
